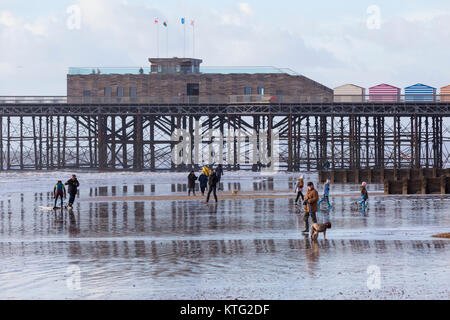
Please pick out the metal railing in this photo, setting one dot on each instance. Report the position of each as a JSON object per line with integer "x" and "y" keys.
{"x": 203, "y": 69}
{"x": 34, "y": 99}
{"x": 229, "y": 99}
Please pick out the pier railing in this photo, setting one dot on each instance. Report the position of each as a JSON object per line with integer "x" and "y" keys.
{"x": 229, "y": 99}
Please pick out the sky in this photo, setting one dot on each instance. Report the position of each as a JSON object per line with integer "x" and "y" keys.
{"x": 332, "y": 42}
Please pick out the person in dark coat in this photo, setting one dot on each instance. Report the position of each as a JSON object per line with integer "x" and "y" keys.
{"x": 73, "y": 189}
{"x": 203, "y": 179}
{"x": 191, "y": 182}
{"x": 212, "y": 181}
{"x": 219, "y": 172}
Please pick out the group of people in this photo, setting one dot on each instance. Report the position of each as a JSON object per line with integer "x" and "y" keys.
{"x": 312, "y": 203}
{"x": 59, "y": 191}
{"x": 208, "y": 179}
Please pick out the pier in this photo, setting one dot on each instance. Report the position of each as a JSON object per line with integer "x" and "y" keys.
{"x": 49, "y": 133}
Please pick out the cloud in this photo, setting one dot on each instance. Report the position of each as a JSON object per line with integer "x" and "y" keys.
{"x": 245, "y": 8}
{"x": 39, "y": 28}
{"x": 409, "y": 47}
{"x": 7, "y": 19}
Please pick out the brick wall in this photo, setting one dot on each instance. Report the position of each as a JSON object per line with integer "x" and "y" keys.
{"x": 165, "y": 85}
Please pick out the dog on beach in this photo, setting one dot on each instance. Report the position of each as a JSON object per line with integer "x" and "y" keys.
{"x": 316, "y": 228}
{"x": 234, "y": 192}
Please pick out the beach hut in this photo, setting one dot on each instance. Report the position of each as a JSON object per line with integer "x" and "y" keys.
{"x": 445, "y": 94}
{"x": 384, "y": 93}
{"x": 420, "y": 93}
{"x": 349, "y": 93}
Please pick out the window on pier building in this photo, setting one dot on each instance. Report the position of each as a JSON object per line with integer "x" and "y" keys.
{"x": 248, "y": 91}
{"x": 119, "y": 94}
{"x": 133, "y": 94}
{"x": 278, "y": 96}
{"x": 108, "y": 91}
{"x": 86, "y": 96}
{"x": 108, "y": 94}
{"x": 261, "y": 90}
{"x": 156, "y": 69}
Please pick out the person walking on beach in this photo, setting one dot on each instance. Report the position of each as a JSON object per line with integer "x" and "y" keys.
{"x": 219, "y": 173}
{"x": 326, "y": 193}
{"x": 59, "y": 191}
{"x": 203, "y": 179}
{"x": 327, "y": 165}
{"x": 310, "y": 204}
{"x": 191, "y": 183}
{"x": 299, "y": 189}
{"x": 73, "y": 189}
{"x": 212, "y": 181}
{"x": 206, "y": 170}
{"x": 364, "y": 195}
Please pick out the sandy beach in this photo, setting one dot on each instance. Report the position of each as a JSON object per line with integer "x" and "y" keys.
{"x": 139, "y": 236}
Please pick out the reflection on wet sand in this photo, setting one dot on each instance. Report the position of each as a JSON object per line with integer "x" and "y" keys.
{"x": 184, "y": 218}
{"x": 182, "y": 248}
{"x": 101, "y": 191}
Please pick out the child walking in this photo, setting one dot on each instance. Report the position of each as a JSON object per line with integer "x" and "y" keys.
{"x": 299, "y": 189}
{"x": 364, "y": 195}
{"x": 326, "y": 193}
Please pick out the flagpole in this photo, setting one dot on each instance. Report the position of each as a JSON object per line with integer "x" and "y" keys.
{"x": 184, "y": 40}
{"x": 157, "y": 40}
{"x": 167, "y": 44}
{"x": 193, "y": 39}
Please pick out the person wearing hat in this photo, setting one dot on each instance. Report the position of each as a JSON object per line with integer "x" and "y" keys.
{"x": 364, "y": 194}
{"x": 206, "y": 170}
{"x": 299, "y": 189}
{"x": 326, "y": 193}
{"x": 310, "y": 204}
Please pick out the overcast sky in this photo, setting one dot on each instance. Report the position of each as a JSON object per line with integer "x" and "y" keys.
{"x": 332, "y": 42}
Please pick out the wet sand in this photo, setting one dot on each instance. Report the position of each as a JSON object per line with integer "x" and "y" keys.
{"x": 140, "y": 237}
{"x": 221, "y": 195}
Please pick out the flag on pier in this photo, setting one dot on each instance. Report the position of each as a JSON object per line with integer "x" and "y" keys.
{"x": 182, "y": 20}
{"x": 165, "y": 24}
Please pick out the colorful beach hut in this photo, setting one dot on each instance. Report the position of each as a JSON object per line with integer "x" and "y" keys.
{"x": 349, "y": 93}
{"x": 420, "y": 93}
{"x": 445, "y": 94}
{"x": 384, "y": 93}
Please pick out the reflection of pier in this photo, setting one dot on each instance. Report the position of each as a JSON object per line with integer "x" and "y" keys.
{"x": 180, "y": 249}
{"x": 54, "y": 135}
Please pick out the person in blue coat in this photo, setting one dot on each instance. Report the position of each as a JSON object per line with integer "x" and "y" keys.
{"x": 326, "y": 193}
{"x": 203, "y": 179}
